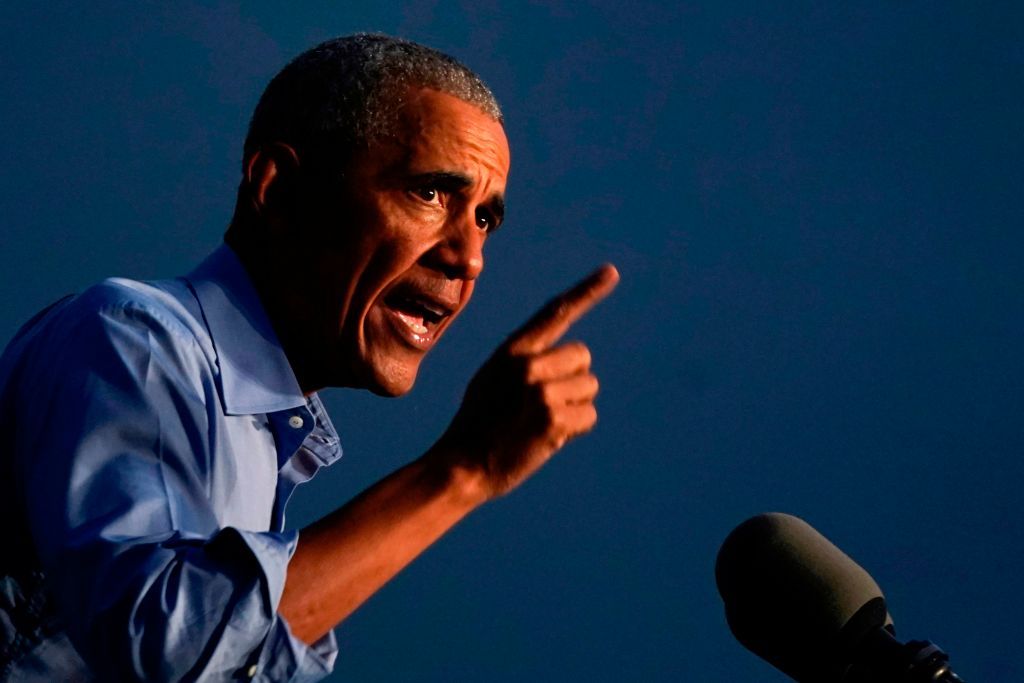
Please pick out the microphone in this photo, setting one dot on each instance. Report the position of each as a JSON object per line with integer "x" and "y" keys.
{"x": 797, "y": 601}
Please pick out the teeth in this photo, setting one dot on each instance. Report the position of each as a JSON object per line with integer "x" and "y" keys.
{"x": 439, "y": 312}
{"x": 431, "y": 308}
{"x": 414, "y": 324}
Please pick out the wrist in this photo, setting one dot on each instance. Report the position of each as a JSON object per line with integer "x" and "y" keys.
{"x": 465, "y": 481}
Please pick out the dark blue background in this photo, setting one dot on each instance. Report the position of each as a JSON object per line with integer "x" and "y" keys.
{"x": 817, "y": 215}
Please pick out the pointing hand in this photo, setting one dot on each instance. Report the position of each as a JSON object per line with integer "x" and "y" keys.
{"x": 531, "y": 396}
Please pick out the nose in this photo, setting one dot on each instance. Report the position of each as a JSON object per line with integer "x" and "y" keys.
{"x": 460, "y": 253}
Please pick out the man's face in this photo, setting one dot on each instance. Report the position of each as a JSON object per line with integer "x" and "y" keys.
{"x": 404, "y": 243}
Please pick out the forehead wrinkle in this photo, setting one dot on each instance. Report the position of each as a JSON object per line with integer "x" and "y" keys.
{"x": 474, "y": 134}
{"x": 480, "y": 147}
{"x": 470, "y": 144}
{"x": 486, "y": 152}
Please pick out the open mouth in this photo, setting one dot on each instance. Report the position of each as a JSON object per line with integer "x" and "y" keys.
{"x": 420, "y": 314}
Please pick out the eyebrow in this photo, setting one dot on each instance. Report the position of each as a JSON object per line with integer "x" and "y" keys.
{"x": 449, "y": 181}
{"x": 452, "y": 181}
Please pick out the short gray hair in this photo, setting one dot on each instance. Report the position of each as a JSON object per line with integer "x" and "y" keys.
{"x": 345, "y": 94}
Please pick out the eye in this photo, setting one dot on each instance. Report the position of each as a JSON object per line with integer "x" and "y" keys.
{"x": 427, "y": 194}
{"x": 486, "y": 221}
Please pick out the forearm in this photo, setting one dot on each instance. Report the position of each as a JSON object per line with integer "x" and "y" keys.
{"x": 348, "y": 555}
{"x": 526, "y": 401}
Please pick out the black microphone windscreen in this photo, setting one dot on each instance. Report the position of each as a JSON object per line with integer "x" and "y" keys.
{"x": 789, "y": 593}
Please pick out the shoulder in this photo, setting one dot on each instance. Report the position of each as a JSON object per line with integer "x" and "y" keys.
{"x": 146, "y": 328}
{"x": 165, "y": 306}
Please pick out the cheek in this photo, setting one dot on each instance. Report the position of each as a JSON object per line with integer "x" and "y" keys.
{"x": 383, "y": 261}
{"x": 403, "y": 233}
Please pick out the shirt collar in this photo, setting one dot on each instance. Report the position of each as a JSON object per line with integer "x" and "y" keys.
{"x": 255, "y": 376}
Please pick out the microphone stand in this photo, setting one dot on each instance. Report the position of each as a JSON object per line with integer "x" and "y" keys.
{"x": 890, "y": 661}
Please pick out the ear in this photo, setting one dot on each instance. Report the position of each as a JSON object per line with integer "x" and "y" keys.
{"x": 271, "y": 174}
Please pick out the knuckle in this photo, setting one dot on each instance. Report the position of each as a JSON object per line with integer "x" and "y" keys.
{"x": 584, "y": 354}
{"x": 532, "y": 370}
{"x": 588, "y": 418}
{"x": 573, "y": 353}
{"x": 576, "y": 352}
{"x": 576, "y": 348}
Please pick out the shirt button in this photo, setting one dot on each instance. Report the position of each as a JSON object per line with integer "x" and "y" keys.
{"x": 253, "y": 670}
{"x": 295, "y": 421}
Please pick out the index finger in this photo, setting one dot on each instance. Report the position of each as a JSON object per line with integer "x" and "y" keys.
{"x": 549, "y": 324}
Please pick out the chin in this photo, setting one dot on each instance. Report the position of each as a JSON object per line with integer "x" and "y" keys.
{"x": 392, "y": 380}
{"x": 389, "y": 390}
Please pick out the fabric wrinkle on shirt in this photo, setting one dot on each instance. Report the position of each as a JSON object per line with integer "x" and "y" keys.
{"x": 151, "y": 435}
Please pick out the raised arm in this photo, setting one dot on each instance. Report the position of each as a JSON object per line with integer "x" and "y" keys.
{"x": 527, "y": 400}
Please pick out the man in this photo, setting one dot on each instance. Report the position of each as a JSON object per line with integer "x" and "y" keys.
{"x": 153, "y": 432}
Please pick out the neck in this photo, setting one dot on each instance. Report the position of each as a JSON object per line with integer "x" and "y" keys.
{"x": 275, "y": 283}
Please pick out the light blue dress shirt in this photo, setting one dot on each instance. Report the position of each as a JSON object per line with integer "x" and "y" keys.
{"x": 151, "y": 435}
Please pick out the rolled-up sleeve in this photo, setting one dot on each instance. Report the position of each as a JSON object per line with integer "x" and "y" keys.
{"x": 114, "y": 461}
